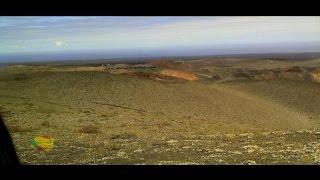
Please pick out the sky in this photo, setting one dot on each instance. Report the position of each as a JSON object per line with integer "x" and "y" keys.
{"x": 34, "y": 38}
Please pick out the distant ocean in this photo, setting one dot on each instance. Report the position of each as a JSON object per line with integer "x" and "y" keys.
{"x": 163, "y": 52}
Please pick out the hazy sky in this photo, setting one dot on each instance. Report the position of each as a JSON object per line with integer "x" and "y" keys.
{"x": 19, "y": 35}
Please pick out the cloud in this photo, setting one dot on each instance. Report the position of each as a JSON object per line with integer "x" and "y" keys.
{"x": 77, "y": 33}
{"x": 59, "y": 43}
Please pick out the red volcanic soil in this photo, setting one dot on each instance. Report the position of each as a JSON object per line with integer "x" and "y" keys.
{"x": 152, "y": 76}
{"x": 179, "y": 74}
{"x": 171, "y": 64}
